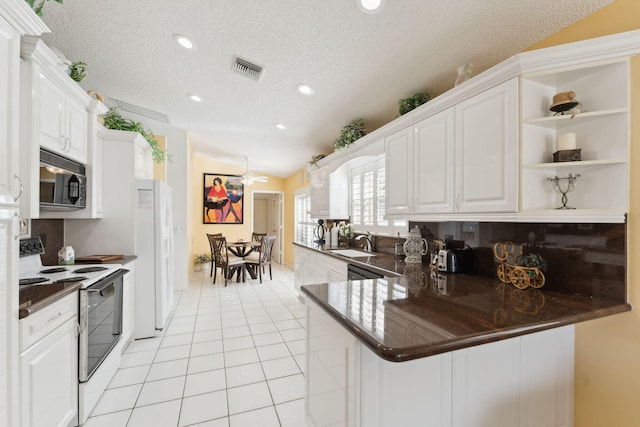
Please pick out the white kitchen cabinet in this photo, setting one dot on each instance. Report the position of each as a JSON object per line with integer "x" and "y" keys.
{"x": 63, "y": 122}
{"x": 399, "y": 172}
{"x": 521, "y": 381}
{"x": 460, "y": 160}
{"x": 319, "y": 192}
{"x": 601, "y": 133}
{"x": 55, "y": 113}
{"x": 420, "y": 167}
{"x": 332, "y": 374}
{"x": 9, "y": 87}
{"x": 486, "y": 150}
{"x": 9, "y": 297}
{"x": 49, "y": 365}
{"x": 312, "y": 267}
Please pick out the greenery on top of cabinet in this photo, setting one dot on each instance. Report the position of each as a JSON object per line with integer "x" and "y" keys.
{"x": 37, "y": 5}
{"x": 349, "y": 134}
{"x": 114, "y": 120}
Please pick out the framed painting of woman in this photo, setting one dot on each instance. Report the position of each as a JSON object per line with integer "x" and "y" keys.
{"x": 223, "y": 197}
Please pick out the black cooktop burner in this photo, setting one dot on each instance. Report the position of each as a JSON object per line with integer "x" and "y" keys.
{"x": 89, "y": 269}
{"x": 53, "y": 270}
{"x": 71, "y": 279}
{"x": 32, "y": 280}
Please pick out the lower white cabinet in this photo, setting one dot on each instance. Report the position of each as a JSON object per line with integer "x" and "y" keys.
{"x": 49, "y": 365}
{"x": 312, "y": 267}
{"x": 525, "y": 381}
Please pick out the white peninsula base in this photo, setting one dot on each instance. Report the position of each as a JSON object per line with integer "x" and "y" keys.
{"x": 522, "y": 381}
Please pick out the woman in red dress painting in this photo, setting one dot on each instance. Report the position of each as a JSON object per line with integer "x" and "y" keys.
{"x": 218, "y": 195}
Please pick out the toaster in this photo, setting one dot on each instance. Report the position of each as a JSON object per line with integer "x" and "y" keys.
{"x": 456, "y": 260}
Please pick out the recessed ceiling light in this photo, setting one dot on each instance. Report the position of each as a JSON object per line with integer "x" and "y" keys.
{"x": 195, "y": 98}
{"x": 370, "y": 6}
{"x": 305, "y": 89}
{"x": 183, "y": 41}
{"x": 280, "y": 126}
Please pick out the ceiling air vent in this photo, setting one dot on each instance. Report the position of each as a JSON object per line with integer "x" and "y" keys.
{"x": 246, "y": 68}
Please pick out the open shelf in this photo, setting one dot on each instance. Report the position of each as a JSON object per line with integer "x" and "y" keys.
{"x": 568, "y": 119}
{"x": 578, "y": 164}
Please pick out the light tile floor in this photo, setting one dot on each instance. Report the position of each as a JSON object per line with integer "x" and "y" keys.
{"x": 229, "y": 357}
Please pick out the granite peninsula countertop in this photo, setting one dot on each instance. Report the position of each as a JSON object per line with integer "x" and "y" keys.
{"x": 425, "y": 312}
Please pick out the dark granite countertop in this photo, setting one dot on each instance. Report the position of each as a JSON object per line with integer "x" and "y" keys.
{"x": 402, "y": 321}
{"x": 36, "y": 297}
{"x": 387, "y": 264}
{"x": 425, "y": 312}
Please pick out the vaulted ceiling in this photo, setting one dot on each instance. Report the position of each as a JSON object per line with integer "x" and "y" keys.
{"x": 359, "y": 64}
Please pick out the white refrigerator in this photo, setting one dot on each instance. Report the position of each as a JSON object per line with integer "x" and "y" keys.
{"x": 136, "y": 221}
{"x": 154, "y": 249}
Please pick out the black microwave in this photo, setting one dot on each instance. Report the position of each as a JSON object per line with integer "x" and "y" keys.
{"x": 63, "y": 182}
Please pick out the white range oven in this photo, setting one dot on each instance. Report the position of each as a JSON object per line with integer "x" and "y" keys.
{"x": 99, "y": 316}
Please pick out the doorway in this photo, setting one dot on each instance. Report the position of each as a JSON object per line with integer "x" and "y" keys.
{"x": 268, "y": 217}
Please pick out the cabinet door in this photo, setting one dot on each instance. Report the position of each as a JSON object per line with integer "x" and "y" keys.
{"x": 433, "y": 156}
{"x": 76, "y": 131}
{"x": 9, "y": 77}
{"x": 52, "y": 125}
{"x": 399, "y": 172}
{"x": 332, "y": 361}
{"x": 49, "y": 378}
{"x": 486, "y": 150}
{"x": 486, "y": 384}
{"x": 9, "y": 350}
{"x": 319, "y": 192}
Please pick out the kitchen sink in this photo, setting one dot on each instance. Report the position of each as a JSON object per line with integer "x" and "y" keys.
{"x": 351, "y": 253}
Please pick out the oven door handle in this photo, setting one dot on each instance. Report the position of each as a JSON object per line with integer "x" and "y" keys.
{"x": 107, "y": 281}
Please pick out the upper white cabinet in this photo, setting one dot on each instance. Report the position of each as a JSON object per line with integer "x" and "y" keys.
{"x": 601, "y": 133}
{"x": 462, "y": 159}
{"x": 9, "y": 87}
{"x": 420, "y": 166}
{"x": 486, "y": 135}
{"x": 57, "y": 114}
{"x": 319, "y": 192}
{"x": 63, "y": 122}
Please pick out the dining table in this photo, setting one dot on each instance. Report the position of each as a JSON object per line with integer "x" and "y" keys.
{"x": 242, "y": 248}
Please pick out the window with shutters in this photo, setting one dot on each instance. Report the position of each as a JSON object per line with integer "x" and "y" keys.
{"x": 367, "y": 193}
{"x": 303, "y": 225}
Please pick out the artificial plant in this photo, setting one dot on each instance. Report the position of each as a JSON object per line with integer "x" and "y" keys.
{"x": 408, "y": 104}
{"x": 37, "y": 5}
{"x": 114, "y": 120}
{"x": 350, "y": 133}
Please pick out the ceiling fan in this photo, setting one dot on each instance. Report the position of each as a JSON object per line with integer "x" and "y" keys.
{"x": 249, "y": 178}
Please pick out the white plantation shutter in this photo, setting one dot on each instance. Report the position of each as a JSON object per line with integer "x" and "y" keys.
{"x": 304, "y": 225}
{"x": 356, "y": 199}
{"x": 367, "y": 193}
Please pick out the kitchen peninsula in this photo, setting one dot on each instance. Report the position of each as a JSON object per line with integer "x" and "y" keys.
{"x": 475, "y": 352}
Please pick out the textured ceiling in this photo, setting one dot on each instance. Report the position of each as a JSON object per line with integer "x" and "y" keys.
{"x": 359, "y": 64}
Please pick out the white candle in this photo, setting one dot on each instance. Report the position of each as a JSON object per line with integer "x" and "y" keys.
{"x": 567, "y": 141}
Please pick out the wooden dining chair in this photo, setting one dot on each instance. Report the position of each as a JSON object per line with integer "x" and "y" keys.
{"x": 257, "y": 237}
{"x": 227, "y": 263}
{"x": 262, "y": 258}
{"x": 210, "y": 237}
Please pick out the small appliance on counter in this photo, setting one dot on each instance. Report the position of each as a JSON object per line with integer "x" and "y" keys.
{"x": 455, "y": 259}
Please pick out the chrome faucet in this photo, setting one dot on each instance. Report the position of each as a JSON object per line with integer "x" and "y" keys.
{"x": 368, "y": 244}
